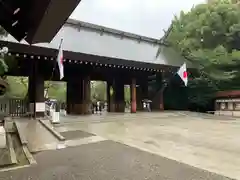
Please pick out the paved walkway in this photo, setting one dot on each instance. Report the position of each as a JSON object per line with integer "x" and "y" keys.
{"x": 139, "y": 146}
{"x": 203, "y": 141}
{"x": 106, "y": 161}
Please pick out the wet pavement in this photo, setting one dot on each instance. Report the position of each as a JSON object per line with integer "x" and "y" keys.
{"x": 5, "y": 158}
{"x": 76, "y": 134}
{"x": 203, "y": 141}
{"x": 162, "y": 146}
{"x": 106, "y": 160}
{"x": 35, "y": 135}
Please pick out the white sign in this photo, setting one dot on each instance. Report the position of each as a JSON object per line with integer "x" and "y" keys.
{"x": 2, "y": 137}
{"x": 40, "y": 107}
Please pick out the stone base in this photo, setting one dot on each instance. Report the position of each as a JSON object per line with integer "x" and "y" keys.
{"x": 9, "y": 125}
{"x": 133, "y": 107}
{"x": 120, "y": 107}
{"x": 80, "y": 109}
{"x": 140, "y": 106}
{"x": 112, "y": 107}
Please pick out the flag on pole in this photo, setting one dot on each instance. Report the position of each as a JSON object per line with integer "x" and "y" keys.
{"x": 182, "y": 72}
{"x": 60, "y": 61}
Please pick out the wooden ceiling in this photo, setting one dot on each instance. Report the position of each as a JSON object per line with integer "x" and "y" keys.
{"x": 35, "y": 20}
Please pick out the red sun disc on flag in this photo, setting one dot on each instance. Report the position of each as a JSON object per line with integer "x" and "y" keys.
{"x": 61, "y": 60}
{"x": 185, "y": 74}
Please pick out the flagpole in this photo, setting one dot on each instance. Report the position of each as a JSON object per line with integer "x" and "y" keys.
{"x": 61, "y": 41}
{"x": 60, "y": 44}
{"x": 55, "y": 65}
{"x": 169, "y": 80}
{"x": 165, "y": 85}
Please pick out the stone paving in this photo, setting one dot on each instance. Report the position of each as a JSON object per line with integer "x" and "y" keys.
{"x": 4, "y": 157}
{"x": 139, "y": 146}
{"x": 106, "y": 160}
{"x": 203, "y": 141}
{"x": 35, "y": 135}
{"x": 76, "y": 134}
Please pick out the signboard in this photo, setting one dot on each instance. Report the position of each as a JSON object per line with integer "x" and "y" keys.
{"x": 40, "y": 107}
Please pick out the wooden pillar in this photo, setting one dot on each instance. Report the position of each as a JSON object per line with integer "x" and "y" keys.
{"x": 142, "y": 93}
{"x": 157, "y": 93}
{"x": 75, "y": 96}
{"x": 36, "y": 91}
{"x": 69, "y": 97}
{"x": 87, "y": 95}
{"x": 133, "y": 96}
{"x": 161, "y": 107}
{"x": 119, "y": 96}
{"x": 110, "y": 96}
{"x": 139, "y": 97}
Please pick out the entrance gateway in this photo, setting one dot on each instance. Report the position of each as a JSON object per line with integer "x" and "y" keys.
{"x": 93, "y": 52}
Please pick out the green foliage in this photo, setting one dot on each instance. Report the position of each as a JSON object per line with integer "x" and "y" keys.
{"x": 98, "y": 91}
{"x": 127, "y": 94}
{"x": 56, "y": 90}
{"x": 209, "y": 37}
{"x": 17, "y": 87}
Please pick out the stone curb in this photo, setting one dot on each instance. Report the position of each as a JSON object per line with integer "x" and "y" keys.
{"x": 21, "y": 136}
{"x": 11, "y": 149}
{"x": 29, "y": 156}
{"x": 51, "y": 129}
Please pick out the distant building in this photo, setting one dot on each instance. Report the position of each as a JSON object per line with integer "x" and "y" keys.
{"x": 228, "y": 103}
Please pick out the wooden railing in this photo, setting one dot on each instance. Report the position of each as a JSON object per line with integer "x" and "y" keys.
{"x": 13, "y": 107}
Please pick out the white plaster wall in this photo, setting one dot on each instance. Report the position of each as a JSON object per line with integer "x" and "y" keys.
{"x": 89, "y": 41}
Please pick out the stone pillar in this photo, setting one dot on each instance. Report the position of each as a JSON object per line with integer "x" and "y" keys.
{"x": 36, "y": 91}
{"x": 133, "y": 96}
{"x": 119, "y": 96}
{"x": 87, "y": 95}
{"x": 110, "y": 96}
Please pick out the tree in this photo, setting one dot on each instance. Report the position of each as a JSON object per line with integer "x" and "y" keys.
{"x": 56, "y": 90}
{"x": 98, "y": 91}
{"x": 209, "y": 37}
{"x": 18, "y": 86}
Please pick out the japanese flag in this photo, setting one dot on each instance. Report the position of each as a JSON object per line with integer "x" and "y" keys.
{"x": 182, "y": 72}
{"x": 60, "y": 61}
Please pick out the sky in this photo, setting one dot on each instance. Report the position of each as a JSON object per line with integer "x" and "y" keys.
{"x": 144, "y": 17}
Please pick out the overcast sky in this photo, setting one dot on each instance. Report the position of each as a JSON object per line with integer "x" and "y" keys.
{"x": 143, "y": 17}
